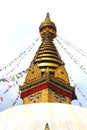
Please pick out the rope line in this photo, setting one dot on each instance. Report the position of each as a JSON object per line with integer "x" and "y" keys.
{"x": 75, "y": 85}
{"x": 73, "y": 58}
{"x": 78, "y": 88}
{"x": 14, "y": 103}
{"x": 21, "y": 57}
{"x": 80, "y": 103}
{"x": 74, "y": 47}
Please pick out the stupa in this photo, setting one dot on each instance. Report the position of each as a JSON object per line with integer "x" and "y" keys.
{"x": 46, "y": 92}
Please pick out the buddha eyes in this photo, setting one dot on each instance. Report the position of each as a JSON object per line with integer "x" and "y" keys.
{"x": 63, "y": 99}
{"x": 33, "y": 99}
{"x": 56, "y": 96}
{"x": 60, "y": 98}
{"x": 38, "y": 96}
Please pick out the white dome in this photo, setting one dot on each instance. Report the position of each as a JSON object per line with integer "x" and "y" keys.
{"x": 35, "y": 117}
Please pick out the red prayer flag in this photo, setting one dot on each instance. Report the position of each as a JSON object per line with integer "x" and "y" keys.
{"x": 1, "y": 98}
{"x": 9, "y": 86}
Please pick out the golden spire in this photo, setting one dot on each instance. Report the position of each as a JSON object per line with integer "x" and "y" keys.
{"x": 47, "y": 56}
{"x": 47, "y": 17}
{"x": 47, "y": 25}
{"x": 47, "y": 80}
{"x": 47, "y": 127}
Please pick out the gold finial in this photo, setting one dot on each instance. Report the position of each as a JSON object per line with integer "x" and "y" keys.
{"x": 48, "y": 14}
{"x": 47, "y": 127}
{"x": 46, "y": 25}
{"x": 47, "y": 17}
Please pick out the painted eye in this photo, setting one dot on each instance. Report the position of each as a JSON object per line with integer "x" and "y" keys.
{"x": 56, "y": 96}
{"x": 63, "y": 99}
{"x": 38, "y": 96}
{"x": 31, "y": 99}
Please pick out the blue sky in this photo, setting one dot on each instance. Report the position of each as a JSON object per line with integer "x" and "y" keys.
{"x": 19, "y": 28}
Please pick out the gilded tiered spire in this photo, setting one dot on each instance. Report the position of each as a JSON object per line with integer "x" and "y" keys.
{"x": 47, "y": 55}
{"x": 47, "y": 79}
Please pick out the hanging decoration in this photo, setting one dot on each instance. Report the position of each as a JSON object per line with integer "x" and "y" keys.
{"x": 4, "y": 80}
{"x": 14, "y": 103}
{"x": 78, "y": 89}
{"x": 73, "y": 58}
{"x": 24, "y": 54}
{"x": 14, "y": 78}
{"x": 9, "y": 87}
{"x": 80, "y": 103}
{"x": 1, "y": 98}
{"x": 20, "y": 58}
{"x": 74, "y": 47}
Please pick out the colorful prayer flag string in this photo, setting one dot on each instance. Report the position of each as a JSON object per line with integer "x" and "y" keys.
{"x": 4, "y": 80}
{"x": 1, "y": 98}
{"x": 14, "y": 103}
{"x": 78, "y": 89}
{"x": 14, "y": 78}
{"x": 80, "y": 103}
{"x": 9, "y": 87}
{"x": 21, "y": 56}
{"x": 73, "y": 58}
{"x": 80, "y": 51}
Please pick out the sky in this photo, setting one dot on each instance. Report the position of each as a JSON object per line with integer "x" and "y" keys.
{"x": 19, "y": 28}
